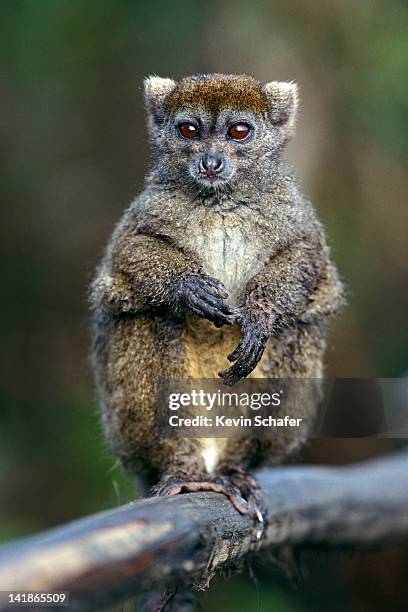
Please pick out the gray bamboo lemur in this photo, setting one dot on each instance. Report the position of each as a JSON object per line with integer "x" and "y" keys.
{"x": 220, "y": 236}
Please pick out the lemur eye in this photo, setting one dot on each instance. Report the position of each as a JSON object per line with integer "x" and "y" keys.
{"x": 188, "y": 130}
{"x": 239, "y": 131}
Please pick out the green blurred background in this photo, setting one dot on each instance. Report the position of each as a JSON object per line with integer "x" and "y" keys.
{"x": 73, "y": 153}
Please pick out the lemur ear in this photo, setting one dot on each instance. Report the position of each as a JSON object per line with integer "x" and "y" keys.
{"x": 155, "y": 91}
{"x": 283, "y": 100}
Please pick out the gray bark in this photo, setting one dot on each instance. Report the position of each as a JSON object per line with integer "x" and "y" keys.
{"x": 155, "y": 542}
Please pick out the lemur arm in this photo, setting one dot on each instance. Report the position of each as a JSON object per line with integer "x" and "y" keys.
{"x": 287, "y": 286}
{"x": 142, "y": 273}
{"x": 298, "y": 283}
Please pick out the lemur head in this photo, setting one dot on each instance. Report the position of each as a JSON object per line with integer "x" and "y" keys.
{"x": 212, "y": 131}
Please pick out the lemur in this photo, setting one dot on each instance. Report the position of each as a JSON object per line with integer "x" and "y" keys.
{"x": 220, "y": 260}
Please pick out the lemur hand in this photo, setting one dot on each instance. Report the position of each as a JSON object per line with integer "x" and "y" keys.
{"x": 204, "y": 296}
{"x": 257, "y": 321}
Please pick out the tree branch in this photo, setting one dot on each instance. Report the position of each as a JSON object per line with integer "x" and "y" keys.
{"x": 115, "y": 554}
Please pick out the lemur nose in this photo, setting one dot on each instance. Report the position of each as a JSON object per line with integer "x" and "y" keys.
{"x": 211, "y": 164}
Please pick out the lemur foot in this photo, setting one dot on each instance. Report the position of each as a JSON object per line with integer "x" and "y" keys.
{"x": 251, "y": 492}
{"x": 217, "y": 485}
{"x": 240, "y": 487}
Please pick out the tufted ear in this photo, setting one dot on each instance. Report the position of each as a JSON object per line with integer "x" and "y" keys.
{"x": 156, "y": 90}
{"x": 283, "y": 101}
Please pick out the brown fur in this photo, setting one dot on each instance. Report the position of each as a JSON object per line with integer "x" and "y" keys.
{"x": 216, "y": 92}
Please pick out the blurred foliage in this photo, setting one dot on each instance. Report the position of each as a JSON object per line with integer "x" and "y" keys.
{"x": 73, "y": 153}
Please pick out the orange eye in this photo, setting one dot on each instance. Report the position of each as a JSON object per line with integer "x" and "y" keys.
{"x": 188, "y": 130}
{"x": 239, "y": 131}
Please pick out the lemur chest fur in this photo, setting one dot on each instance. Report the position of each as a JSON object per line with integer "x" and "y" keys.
{"x": 227, "y": 251}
